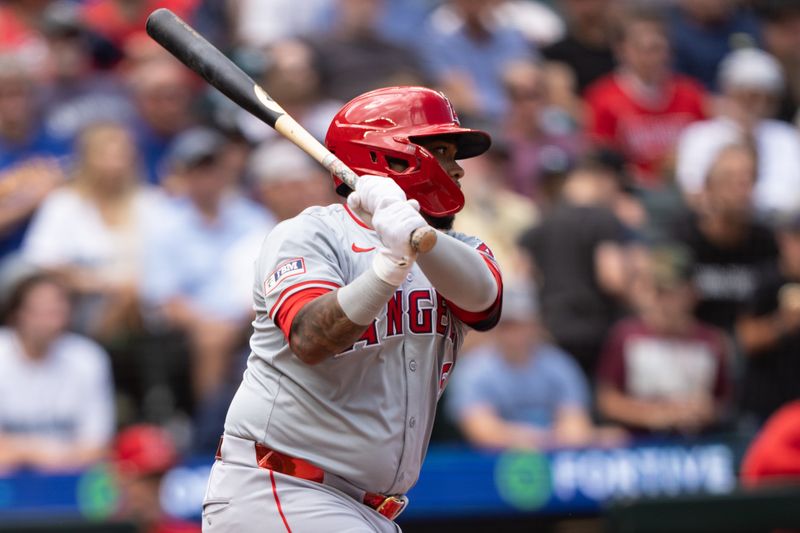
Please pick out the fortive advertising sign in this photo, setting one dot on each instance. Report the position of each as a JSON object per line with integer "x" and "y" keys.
{"x": 454, "y": 482}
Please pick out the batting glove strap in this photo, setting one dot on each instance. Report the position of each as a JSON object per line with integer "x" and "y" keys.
{"x": 391, "y": 268}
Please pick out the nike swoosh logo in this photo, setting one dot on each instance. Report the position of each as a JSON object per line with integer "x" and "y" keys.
{"x": 358, "y": 249}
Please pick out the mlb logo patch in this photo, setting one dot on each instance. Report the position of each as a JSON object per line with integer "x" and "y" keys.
{"x": 287, "y": 269}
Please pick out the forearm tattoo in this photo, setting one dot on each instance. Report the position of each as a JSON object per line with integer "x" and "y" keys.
{"x": 321, "y": 329}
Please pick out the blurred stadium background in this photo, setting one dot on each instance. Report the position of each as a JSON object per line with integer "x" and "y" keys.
{"x": 642, "y": 196}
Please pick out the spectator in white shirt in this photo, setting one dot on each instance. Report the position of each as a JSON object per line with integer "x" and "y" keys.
{"x": 56, "y": 391}
{"x": 90, "y": 231}
{"x": 751, "y": 82}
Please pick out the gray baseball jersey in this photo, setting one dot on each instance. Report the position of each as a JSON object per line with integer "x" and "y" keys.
{"x": 365, "y": 414}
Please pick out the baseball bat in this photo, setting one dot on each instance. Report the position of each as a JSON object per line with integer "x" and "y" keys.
{"x": 194, "y": 51}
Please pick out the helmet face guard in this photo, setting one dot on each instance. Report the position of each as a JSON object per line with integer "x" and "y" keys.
{"x": 385, "y": 126}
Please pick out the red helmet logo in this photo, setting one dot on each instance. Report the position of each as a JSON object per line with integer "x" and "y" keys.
{"x": 382, "y": 127}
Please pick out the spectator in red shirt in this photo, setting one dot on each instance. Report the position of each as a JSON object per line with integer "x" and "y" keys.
{"x": 642, "y": 107}
{"x": 120, "y": 20}
{"x": 663, "y": 371}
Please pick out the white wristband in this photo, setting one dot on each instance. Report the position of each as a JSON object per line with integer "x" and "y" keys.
{"x": 364, "y": 298}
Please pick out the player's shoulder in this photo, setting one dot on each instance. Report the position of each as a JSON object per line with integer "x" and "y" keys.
{"x": 316, "y": 216}
{"x": 315, "y": 224}
{"x": 472, "y": 241}
{"x": 465, "y": 238}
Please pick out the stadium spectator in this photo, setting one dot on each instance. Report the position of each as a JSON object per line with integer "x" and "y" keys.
{"x": 538, "y": 22}
{"x": 19, "y": 34}
{"x": 540, "y": 138}
{"x": 578, "y": 258}
{"x": 774, "y": 456}
{"x": 188, "y": 268}
{"x": 640, "y": 109}
{"x": 727, "y": 243}
{"x": 30, "y": 164}
{"x": 702, "y": 32}
{"x": 520, "y": 392}
{"x": 76, "y": 93}
{"x": 662, "y": 371}
{"x": 163, "y": 96}
{"x": 118, "y": 21}
{"x": 90, "y": 231}
{"x": 781, "y": 33}
{"x": 769, "y": 329}
{"x": 286, "y": 180}
{"x": 291, "y": 78}
{"x": 586, "y": 49}
{"x": 288, "y": 19}
{"x": 56, "y": 393}
{"x": 751, "y": 82}
{"x": 354, "y": 57}
{"x": 496, "y": 213}
{"x": 143, "y": 454}
{"x": 467, "y": 55}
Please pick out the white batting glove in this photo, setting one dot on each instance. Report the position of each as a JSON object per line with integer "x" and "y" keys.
{"x": 395, "y": 222}
{"x": 372, "y": 193}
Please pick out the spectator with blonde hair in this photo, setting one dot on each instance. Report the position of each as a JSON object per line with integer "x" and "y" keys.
{"x": 90, "y": 230}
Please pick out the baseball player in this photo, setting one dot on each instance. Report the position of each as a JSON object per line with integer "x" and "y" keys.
{"x": 355, "y": 334}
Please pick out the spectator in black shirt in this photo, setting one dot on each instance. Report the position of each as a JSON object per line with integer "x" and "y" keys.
{"x": 728, "y": 245}
{"x": 586, "y": 48}
{"x": 769, "y": 330}
{"x": 781, "y": 32}
{"x": 579, "y": 262}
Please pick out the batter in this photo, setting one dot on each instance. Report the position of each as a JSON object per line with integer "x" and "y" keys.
{"x": 355, "y": 334}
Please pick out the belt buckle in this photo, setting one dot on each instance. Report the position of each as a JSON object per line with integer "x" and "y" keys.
{"x": 392, "y": 506}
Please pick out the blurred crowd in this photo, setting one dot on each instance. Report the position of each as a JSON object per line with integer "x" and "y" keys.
{"x": 642, "y": 196}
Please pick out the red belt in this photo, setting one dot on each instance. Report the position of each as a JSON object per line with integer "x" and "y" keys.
{"x": 388, "y": 506}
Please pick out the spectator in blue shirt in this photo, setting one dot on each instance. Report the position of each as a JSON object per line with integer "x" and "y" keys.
{"x": 30, "y": 156}
{"x": 702, "y": 32}
{"x": 467, "y": 54}
{"x": 521, "y": 392}
{"x": 193, "y": 278}
{"x": 162, "y": 93}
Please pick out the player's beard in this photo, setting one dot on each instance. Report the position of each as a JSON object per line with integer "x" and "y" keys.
{"x": 442, "y": 223}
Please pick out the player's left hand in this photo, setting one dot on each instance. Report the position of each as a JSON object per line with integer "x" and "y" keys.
{"x": 374, "y": 192}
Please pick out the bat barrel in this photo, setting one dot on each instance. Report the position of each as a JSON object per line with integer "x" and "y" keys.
{"x": 202, "y": 57}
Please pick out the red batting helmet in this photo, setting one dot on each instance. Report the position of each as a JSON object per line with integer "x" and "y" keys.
{"x": 385, "y": 125}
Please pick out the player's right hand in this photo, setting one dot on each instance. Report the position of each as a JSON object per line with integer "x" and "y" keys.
{"x": 374, "y": 192}
{"x": 394, "y": 223}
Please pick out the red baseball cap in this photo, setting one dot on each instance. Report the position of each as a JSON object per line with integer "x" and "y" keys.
{"x": 144, "y": 449}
